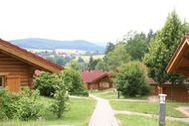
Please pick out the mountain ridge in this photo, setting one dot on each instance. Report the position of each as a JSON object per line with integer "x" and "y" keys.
{"x": 40, "y": 43}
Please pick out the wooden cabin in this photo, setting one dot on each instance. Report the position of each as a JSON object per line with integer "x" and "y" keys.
{"x": 96, "y": 79}
{"x": 179, "y": 63}
{"x": 17, "y": 66}
{"x": 178, "y": 92}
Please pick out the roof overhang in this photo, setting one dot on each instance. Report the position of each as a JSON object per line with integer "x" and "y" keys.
{"x": 28, "y": 57}
{"x": 179, "y": 62}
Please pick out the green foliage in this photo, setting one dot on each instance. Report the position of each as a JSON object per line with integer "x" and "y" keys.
{"x": 45, "y": 83}
{"x": 80, "y": 60}
{"x": 27, "y": 105}
{"x": 23, "y": 106}
{"x": 117, "y": 57}
{"x": 92, "y": 63}
{"x": 61, "y": 96}
{"x": 162, "y": 48}
{"x": 136, "y": 46}
{"x": 73, "y": 81}
{"x": 110, "y": 46}
{"x": 60, "y": 59}
{"x": 131, "y": 80}
{"x": 6, "y": 108}
{"x": 101, "y": 65}
{"x": 150, "y": 36}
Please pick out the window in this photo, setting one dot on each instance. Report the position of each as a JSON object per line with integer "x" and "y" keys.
{"x": 1, "y": 81}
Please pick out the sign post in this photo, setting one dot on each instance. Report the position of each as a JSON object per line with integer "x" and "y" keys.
{"x": 162, "y": 111}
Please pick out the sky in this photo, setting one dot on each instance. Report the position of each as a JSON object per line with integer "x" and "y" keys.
{"x": 93, "y": 20}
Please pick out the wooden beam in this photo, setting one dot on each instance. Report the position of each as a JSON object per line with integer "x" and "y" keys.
{"x": 176, "y": 60}
{"x": 29, "y": 59}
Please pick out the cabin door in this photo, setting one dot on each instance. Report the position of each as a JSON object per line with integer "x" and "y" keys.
{"x": 13, "y": 84}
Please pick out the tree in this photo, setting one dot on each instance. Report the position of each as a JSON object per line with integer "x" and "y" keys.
{"x": 136, "y": 46}
{"x": 131, "y": 80}
{"x": 61, "y": 97}
{"x": 162, "y": 48}
{"x": 45, "y": 83}
{"x": 101, "y": 65}
{"x": 110, "y": 46}
{"x": 73, "y": 81}
{"x": 92, "y": 63}
{"x": 80, "y": 60}
{"x": 150, "y": 36}
{"x": 117, "y": 57}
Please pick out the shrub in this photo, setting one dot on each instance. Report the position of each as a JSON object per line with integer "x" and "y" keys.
{"x": 45, "y": 83}
{"x": 23, "y": 106}
{"x": 60, "y": 103}
{"x": 27, "y": 105}
{"x": 73, "y": 81}
{"x": 131, "y": 80}
{"x": 6, "y": 108}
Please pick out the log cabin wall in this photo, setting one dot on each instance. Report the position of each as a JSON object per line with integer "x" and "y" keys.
{"x": 177, "y": 93}
{"x": 101, "y": 84}
{"x": 12, "y": 67}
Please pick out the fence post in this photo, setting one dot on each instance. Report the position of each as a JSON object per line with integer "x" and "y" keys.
{"x": 162, "y": 111}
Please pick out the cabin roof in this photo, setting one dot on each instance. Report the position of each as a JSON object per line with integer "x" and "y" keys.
{"x": 28, "y": 57}
{"x": 90, "y": 76}
{"x": 180, "y": 60}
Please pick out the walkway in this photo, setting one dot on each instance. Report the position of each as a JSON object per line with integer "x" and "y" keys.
{"x": 103, "y": 114}
{"x": 152, "y": 116}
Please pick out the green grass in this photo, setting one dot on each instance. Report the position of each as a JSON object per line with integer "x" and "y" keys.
{"x": 132, "y": 120}
{"x": 78, "y": 115}
{"x": 112, "y": 94}
{"x": 146, "y": 107}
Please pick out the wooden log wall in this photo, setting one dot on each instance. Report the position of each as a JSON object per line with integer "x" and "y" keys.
{"x": 11, "y": 67}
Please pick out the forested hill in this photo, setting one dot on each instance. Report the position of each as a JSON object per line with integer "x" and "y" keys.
{"x": 36, "y": 43}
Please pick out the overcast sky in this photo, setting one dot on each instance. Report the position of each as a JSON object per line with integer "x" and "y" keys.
{"x": 92, "y": 20}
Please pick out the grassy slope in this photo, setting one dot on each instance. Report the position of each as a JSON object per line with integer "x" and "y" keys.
{"x": 78, "y": 115}
{"x": 132, "y": 120}
{"x": 146, "y": 107}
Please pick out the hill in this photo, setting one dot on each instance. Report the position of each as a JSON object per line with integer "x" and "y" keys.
{"x": 36, "y": 43}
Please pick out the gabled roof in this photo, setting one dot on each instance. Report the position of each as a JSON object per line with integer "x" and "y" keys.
{"x": 90, "y": 76}
{"x": 180, "y": 60}
{"x": 28, "y": 57}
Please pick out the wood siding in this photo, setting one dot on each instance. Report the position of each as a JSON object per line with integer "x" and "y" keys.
{"x": 177, "y": 93}
{"x": 12, "y": 67}
{"x": 100, "y": 84}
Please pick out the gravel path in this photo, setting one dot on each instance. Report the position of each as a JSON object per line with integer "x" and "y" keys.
{"x": 103, "y": 114}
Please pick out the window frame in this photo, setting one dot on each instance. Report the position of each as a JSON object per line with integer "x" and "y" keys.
{"x": 3, "y": 81}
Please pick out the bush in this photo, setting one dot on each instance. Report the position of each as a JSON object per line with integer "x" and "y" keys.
{"x": 73, "y": 81}
{"x": 60, "y": 102}
{"x": 27, "y": 105}
{"x": 45, "y": 83}
{"x": 131, "y": 80}
{"x": 6, "y": 108}
{"x": 24, "y": 105}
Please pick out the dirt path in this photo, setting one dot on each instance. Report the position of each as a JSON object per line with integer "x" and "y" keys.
{"x": 103, "y": 114}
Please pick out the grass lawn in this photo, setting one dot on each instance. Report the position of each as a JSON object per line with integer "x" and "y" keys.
{"x": 78, "y": 115}
{"x": 112, "y": 94}
{"x": 146, "y": 107}
{"x": 132, "y": 120}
